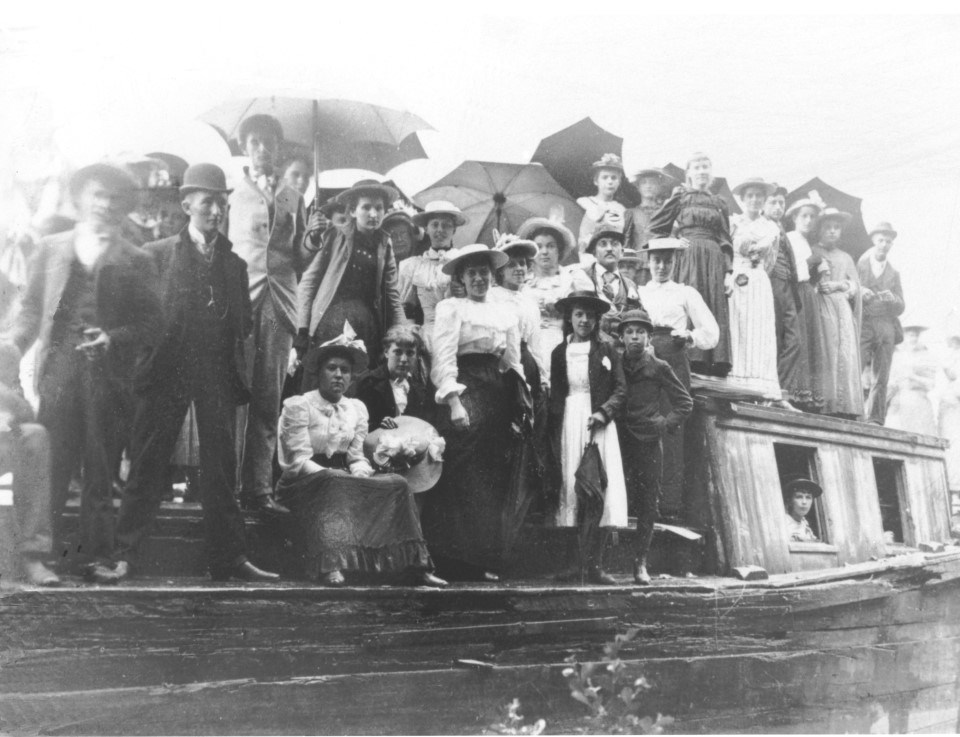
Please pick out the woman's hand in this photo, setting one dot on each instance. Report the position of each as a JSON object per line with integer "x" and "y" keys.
{"x": 596, "y": 421}
{"x": 388, "y": 423}
{"x": 458, "y": 413}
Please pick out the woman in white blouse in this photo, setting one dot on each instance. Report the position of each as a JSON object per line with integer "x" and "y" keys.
{"x": 350, "y": 520}
{"x": 479, "y": 377}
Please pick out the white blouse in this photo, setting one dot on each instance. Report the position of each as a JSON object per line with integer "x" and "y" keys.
{"x": 422, "y": 275}
{"x": 528, "y": 313}
{"x": 671, "y": 305}
{"x": 310, "y": 425}
{"x": 465, "y": 326}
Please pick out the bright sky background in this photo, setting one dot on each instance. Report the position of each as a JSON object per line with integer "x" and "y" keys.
{"x": 868, "y": 103}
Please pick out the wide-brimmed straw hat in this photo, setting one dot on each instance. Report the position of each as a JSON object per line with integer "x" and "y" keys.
{"x": 588, "y": 299}
{"x": 496, "y": 258}
{"x": 439, "y": 208}
{"x": 767, "y": 187}
{"x": 883, "y": 227}
{"x": 663, "y": 244}
{"x": 414, "y": 450}
{"x": 603, "y": 233}
{"x": 636, "y": 317}
{"x": 802, "y": 484}
{"x": 110, "y": 174}
{"x": 370, "y": 188}
{"x": 608, "y": 161}
{"x": 805, "y": 202}
{"x": 832, "y": 213}
{"x": 514, "y": 245}
{"x": 566, "y": 241}
{"x": 345, "y": 345}
{"x": 206, "y": 178}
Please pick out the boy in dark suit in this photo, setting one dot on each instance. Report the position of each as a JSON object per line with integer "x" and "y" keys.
{"x": 649, "y": 381}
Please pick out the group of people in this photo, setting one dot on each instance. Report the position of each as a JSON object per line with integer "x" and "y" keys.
{"x": 545, "y": 369}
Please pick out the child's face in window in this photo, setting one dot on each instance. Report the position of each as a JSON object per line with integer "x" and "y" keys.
{"x": 800, "y": 503}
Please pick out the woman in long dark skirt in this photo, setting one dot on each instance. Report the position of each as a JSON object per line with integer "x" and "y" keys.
{"x": 350, "y": 520}
{"x": 478, "y": 375}
{"x": 703, "y": 220}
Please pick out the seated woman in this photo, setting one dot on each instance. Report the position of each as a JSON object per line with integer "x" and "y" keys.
{"x": 798, "y": 496}
{"x": 351, "y": 520}
{"x": 396, "y": 387}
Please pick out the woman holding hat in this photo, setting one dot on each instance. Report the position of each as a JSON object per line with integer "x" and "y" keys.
{"x": 703, "y": 220}
{"x": 353, "y": 277}
{"x": 838, "y": 308}
{"x": 602, "y": 211}
{"x": 422, "y": 279}
{"x": 556, "y": 245}
{"x": 912, "y": 378}
{"x": 753, "y": 329}
{"x": 587, "y": 394}
{"x": 350, "y": 520}
{"x": 479, "y": 376}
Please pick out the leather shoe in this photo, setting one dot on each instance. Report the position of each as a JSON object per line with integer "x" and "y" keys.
{"x": 246, "y": 571}
{"x": 267, "y": 505}
{"x": 426, "y": 578}
{"x": 596, "y": 574}
{"x": 334, "y": 578}
{"x": 105, "y": 573}
{"x": 36, "y": 573}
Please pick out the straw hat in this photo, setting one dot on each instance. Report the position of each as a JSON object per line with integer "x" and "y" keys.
{"x": 584, "y": 298}
{"x": 566, "y": 241}
{"x": 832, "y": 213}
{"x": 370, "y": 188}
{"x": 805, "y": 202}
{"x": 511, "y": 244}
{"x": 801, "y": 484}
{"x": 663, "y": 244}
{"x": 497, "y": 258}
{"x": 422, "y": 471}
{"x": 437, "y": 208}
{"x": 608, "y": 161}
{"x": 767, "y": 187}
{"x": 883, "y": 227}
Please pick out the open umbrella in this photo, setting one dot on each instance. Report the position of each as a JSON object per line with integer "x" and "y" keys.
{"x": 855, "y": 239}
{"x": 343, "y": 134}
{"x": 500, "y": 196}
{"x": 719, "y": 187}
{"x": 568, "y": 154}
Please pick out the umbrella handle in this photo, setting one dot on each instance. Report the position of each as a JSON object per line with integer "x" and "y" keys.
{"x": 316, "y": 173}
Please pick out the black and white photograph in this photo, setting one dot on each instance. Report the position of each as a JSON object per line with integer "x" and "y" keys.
{"x": 479, "y": 369}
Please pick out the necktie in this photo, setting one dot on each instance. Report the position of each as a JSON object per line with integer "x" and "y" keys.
{"x": 608, "y": 278}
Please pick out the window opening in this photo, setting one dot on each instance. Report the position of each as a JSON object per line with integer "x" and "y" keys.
{"x": 889, "y": 477}
{"x": 800, "y": 461}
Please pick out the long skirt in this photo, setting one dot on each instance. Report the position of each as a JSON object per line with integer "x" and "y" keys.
{"x": 464, "y": 514}
{"x": 674, "y": 352}
{"x": 573, "y": 438}
{"x": 703, "y": 267}
{"x": 348, "y": 523}
{"x": 793, "y": 366}
{"x": 813, "y": 345}
{"x": 753, "y": 331}
{"x": 838, "y": 378}
{"x": 362, "y": 319}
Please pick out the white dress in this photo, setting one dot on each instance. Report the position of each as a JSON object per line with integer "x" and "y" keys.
{"x": 545, "y": 291}
{"x": 753, "y": 329}
{"x": 422, "y": 275}
{"x": 575, "y": 436}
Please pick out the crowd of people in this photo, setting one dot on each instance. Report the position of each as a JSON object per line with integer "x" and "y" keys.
{"x": 317, "y": 363}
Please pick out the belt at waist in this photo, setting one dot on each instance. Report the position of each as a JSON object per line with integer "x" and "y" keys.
{"x": 661, "y": 330}
{"x": 477, "y": 359}
{"x": 698, "y": 232}
{"x": 337, "y": 460}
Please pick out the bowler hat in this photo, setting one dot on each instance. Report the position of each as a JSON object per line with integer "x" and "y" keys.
{"x": 422, "y": 470}
{"x": 496, "y": 258}
{"x": 766, "y": 186}
{"x": 883, "y": 227}
{"x": 566, "y": 241}
{"x": 438, "y": 208}
{"x": 608, "y": 161}
{"x": 369, "y": 188}
{"x": 110, "y": 175}
{"x": 636, "y": 317}
{"x": 583, "y": 298}
{"x": 604, "y": 233}
{"x": 802, "y": 484}
{"x": 205, "y": 177}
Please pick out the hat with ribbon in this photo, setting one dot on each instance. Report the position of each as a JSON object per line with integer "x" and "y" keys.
{"x": 346, "y": 345}
{"x": 663, "y": 244}
{"x": 767, "y": 187}
{"x": 440, "y": 208}
{"x": 474, "y": 250}
{"x": 566, "y": 241}
{"x": 833, "y": 214}
{"x": 414, "y": 449}
{"x": 608, "y": 161}
{"x": 801, "y": 203}
{"x": 513, "y": 245}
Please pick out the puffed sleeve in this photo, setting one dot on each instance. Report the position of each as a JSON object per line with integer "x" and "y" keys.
{"x": 295, "y": 451}
{"x": 446, "y": 340}
{"x": 706, "y": 331}
{"x": 356, "y": 460}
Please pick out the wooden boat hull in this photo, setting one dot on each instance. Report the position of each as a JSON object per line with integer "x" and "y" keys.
{"x": 872, "y": 647}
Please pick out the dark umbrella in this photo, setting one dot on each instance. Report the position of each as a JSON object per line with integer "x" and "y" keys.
{"x": 500, "y": 196}
{"x": 855, "y": 239}
{"x": 568, "y": 154}
{"x": 718, "y": 187}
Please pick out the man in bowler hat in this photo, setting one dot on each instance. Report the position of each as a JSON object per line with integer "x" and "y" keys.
{"x": 199, "y": 357}
{"x": 91, "y": 306}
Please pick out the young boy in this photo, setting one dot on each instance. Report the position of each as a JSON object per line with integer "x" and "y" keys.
{"x": 649, "y": 381}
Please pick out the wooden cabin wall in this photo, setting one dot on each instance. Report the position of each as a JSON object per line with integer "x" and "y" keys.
{"x": 926, "y": 506}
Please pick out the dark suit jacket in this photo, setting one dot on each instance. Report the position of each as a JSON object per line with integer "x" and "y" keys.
{"x": 889, "y": 280}
{"x": 128, "y": 309}
{"x": 650, "y": 379}
{"x": 171, "y": 262}
{"x": 627, "y": 297}
{"x": 608, "y": 392}
{"x": 373, "y": 389}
